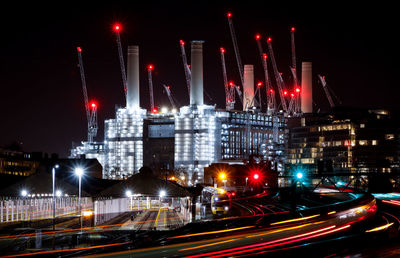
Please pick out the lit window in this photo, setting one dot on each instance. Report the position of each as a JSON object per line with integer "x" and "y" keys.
{"x": 362, "y": 142}
{"x": 374, "y": 142}
{"x": 389, "y": 136}
{"x": 362, "y": 125}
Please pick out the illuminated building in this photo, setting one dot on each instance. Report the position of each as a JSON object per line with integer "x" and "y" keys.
{"x": 362, "y": 141}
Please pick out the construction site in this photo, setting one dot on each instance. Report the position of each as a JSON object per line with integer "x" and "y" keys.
{"x": 192, "y": 137}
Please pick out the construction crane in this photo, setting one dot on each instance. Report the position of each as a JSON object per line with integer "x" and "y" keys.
{"x": 268, "y": 87}
{"x": 168, "y": 91}
{"x": 293, "y": 68}
{"x": 278, "y": 77}
{"x": 117, "y": 29}
{"x": 185, "y": 65}
{"x": 91, "y": 108}
{"x": 149, "y": 72}
{"x": 229, "y": 90}
{"x": 327, "y": 93}
{"x": 257, "y": 93}
{"x": 235, "y": 47}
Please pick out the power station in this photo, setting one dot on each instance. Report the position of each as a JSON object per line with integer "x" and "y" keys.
{"x": 197, "y": 135}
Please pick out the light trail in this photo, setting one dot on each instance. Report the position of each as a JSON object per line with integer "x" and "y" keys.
{"x": 211, "y": 232}
{"x": 379, "y": 228}
{"x": 67, "y": 250}
{"x": 293, "y": 220}
{"x": 206, "y": 245}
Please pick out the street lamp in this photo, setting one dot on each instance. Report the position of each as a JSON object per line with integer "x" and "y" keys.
{"x": 222, "y": 176}
{"x": 128, "y": 193}
{"x": 24, "y": 193}
{"x": 54, "y": 198}
{"x": 79, "y": 173}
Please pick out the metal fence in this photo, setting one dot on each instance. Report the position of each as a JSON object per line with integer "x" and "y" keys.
{"x": 30, "y": 209}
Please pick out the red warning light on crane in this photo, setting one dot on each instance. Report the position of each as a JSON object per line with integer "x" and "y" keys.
{"x": 229, "y": 15}
{"x": 297, "y": 89}
{"x": 265, "y": 56}
{"x": 292, "y": 94}
{"x": 117, "y": 27}
{"x": 79, "y": 49}
{"x": 222, "y": 50}
{"x": 256, "y": 176}
{"x": 269, "y": 40}
{"x": 259, "y": 84}
{"x": 154, "y": 110}
{"x": 292, "y": 29}
{"x": 230, "y": 83}
{"x": 182, "y": 42}
{"x": 258, "y": 36}
{"x": 271, "y": 90}
{"x": 150, "y": 67}
{"x": 285, "y": 92}
{"x": 93, "y": 104}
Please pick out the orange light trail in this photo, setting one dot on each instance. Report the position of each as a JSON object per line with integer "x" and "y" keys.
{"x": 293, "y": 220}
{"x": 211, "y": 232}
{"x": 67, "y": 250}
{"x": 379, "y": 228}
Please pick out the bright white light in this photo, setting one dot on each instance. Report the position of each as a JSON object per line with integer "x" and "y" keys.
{"x": 58, "y": 193}
{"x": 78, "y": 171}
{"x": 24, "y": 193}
{"x": 164, "y": 110}
{"x": 128, "y": 193}
{"x": 299, "y": 175}
{"x": 174, "y": 110}
{"x": 162, "y": 193}
{"x": 56, "y": 166}
{"x": 226, "y": 208}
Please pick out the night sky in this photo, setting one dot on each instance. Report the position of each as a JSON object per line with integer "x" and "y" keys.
{"x": 41, "y": 101}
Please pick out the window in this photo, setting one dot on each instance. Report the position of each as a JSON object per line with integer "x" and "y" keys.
{"x": 389, "y": 136}
{"x": 362, "y": 125}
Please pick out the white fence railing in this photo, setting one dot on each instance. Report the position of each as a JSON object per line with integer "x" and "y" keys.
{"x": 30, "y": 209}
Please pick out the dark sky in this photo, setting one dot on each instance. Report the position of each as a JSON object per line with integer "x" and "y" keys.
{"x": 41, "y": 102}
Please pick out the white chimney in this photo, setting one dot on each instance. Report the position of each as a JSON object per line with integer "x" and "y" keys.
{"x": 306, "y": 87}
{"x": 248, "y": 86}
{"x": 196, "y": 83}
{"x": 132, "y": 89}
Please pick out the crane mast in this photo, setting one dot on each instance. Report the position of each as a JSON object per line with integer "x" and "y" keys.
{"x": 117, "y": 28}
{"x": 268, "y": 87}
{"x": 235, "y": 47}
{"x": 185, "y": 65}
{"x": 91, "y": 109}
{"x": 278, "y": 78}
{"x": 297, "y": 109}
{"x": 229, "y": 91}
{"x": 149, "y": 72}
{"x": 328, "y": 95}
{"x": 171, "y": 100}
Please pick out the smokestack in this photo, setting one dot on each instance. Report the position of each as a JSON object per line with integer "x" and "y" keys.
{"x": 196, "y": 83}
{"x": 132, "y": 89}
{"x": 306, "y": 87}
{"x": 248, "y": 86}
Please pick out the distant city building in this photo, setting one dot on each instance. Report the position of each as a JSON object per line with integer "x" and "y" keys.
{"x": 17, "y": 163}
{"x": 344, "y": 141}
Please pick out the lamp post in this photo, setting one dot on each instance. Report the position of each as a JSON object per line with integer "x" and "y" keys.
{"x": 223, "y": 177}
{"x": 54, "y": 197}
{"x": 79, "y": 173}
{"x": 128, "y": 193}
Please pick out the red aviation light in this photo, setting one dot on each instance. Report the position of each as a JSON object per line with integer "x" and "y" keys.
{"x": 256, "y": 176}
{"x": 79, "y": 49}
{"x": 297, "y": 90}
{"x": 258, "y": 36}
{"x": 230, "y": 83}
{"x": 229, "y": 15}
{"x": 150, "y": 67}
{"x": 285, "y": 92}
{"x": 271, "y": 90}
{"x": 182, "y": 42}
{"x": 292, "y": 94}
{"x": 292, "y": 29}
{"x": 269, "y": 40}
{"x": 259, "y": 84}
{"x": 154, "y": 110}
{"x": 265, "y": 56}
{"x": 169, "y": 87}
{"x": 117, "y": 27}
{"x": 93, "y": 104}
{"x": 222, "y": 50}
